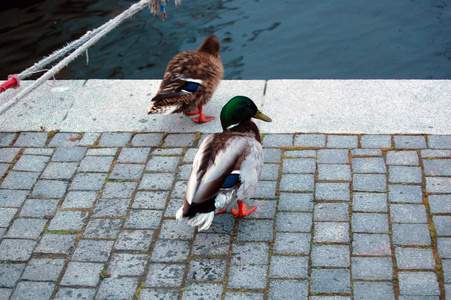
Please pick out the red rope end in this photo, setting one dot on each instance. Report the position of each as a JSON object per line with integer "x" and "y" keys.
{"x": 12, "y": 82}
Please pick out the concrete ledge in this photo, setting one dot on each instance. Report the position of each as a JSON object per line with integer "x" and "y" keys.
{"x": 332, "y": 106}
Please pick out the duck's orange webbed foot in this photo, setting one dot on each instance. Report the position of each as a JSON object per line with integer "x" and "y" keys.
{"x": 202, "y": 118}
{"x": 221, "y": 211}
{"x": 242, "y": 209}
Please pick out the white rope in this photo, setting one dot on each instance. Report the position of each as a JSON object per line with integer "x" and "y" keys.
{"x": 87, "y": 40}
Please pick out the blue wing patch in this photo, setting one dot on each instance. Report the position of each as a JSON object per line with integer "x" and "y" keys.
{"x": 190, "y": 87}
{"x": 231, "y": 181}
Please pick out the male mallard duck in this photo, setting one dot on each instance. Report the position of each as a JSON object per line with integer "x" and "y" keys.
{"x": 226, "y": 167}
{"x": 189, "y": 81}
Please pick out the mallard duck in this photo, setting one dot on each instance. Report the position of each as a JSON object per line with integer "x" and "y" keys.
{"x": 189, "y": 81}
{"x": 226, "y": 167}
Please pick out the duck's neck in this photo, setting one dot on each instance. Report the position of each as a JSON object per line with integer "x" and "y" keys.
{"x": 247, "y": 127}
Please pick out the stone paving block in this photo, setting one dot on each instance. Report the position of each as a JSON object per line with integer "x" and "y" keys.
{"x": 103, "y": 228}
{"x": 265, "y": 190}
{"x": 7, "y": 155}
{"x": 407, "y": 158}
{"x": 332, "y": 191}
{"x": 369, "y": 223}
{"x": 102, "y": 151}
{"x": 405, "y": 174}
{"x": 168, "y": 151}
{"x": 342, "y": 141}
{"x": 366, "y": 152}
{"x": 95, "y": 164}
{"x": 191, "y": 152}
{"x": 331, "y": 281}
{"x": 154, "y": 293}
{"x": 250, "y": 253}
{"x": 372, "y": 268}
{"x": 10, "y": 274}
{"x": 331, "y": 232}
{"x": 243, "y": 295}
{"x": 179, "y": 140}
{"x": 92, "y": 251}
{"x": 127, "y": 172}
{"x": 185, "y": 171}
{"x": 408, "y": 213}
{"x": 162, "y": 163}
{"x": 442, "y": 225}
{"x": 418, "y": 283}
{"x": 438, "y": 185}
{"x": 157, "y": 181}
{"x": 437, "y": 167}
{"x": 295, "y": 202}
{"x": 405, "y": 193}
{"x": 31, "y": 139}
{"x": 3, "y": 169}
{"x": 79, "y": 199}
{"x": 373, "y": 290}
{"x": 288, "y": 267}
{"x": 16, "y": 249}
{"x": 370, "y": 182}
{"x": 20, "y": 180}
{"x": 300, "y": 153}
{"x": 89, "y": 138}
{"x": 208, "y": 290}
{"x": 111, "y": 208}
{"x": 292, "y": 243}
{"x": 414, "y": 258}
{"x": 278, "y": 140}
{"x": 59, "y": 170}
{"x": 369, "y": 202}
{"x": 133, "y": 155}
{"x": 207, "y": 244}
{"x": 68, "y": 220}
{"x": 75, "y": 293}
{"x": 170, "y": 251}
{"x": 73, "y": 154}
{"x": 136, "y": 240}
{"x": 56, "y": 243}
{"x": 444, "y": 247}
{"x": 255, "y": 230}
{"x": 310, "y": 140}
{"x": 429, "y": 153}
{"x": 288, "y": 289}
{"x": 247, "y": 276}
{"x": 44, "y": 269}
{"x": 271, "y": 155}
{"x": 147, "y": 139}
{"x": 330, "y": 256}
{"x": 115, "y": 139}
{"x": 178, "y": 191}
{"x": 331, "y": 212}
{"x": 143, "y": 219}
{"x": 126, "y": 264}
{"x": 411, "y": 234}
{"x": 150, "y": 200}
{"x": 439, "y": 141}
{"x": 410, "y": 141}
{"x": 12, "y": 198}
{"x": 299, "y": 165}
{"x": 173, "y": 229}
{"x": 33, "y": 290}
{"x": 26, "y": 228}
{"x": 440, "y": 204}
{"x": 82, "y": 274}
{"x": 39, "y": 151}
{"x": 6, "y": 139}
{"x": 49, "y": 189}
{"x": 333, "y": 156}
{"x": 368, "y": 165}
{"x": 371, "y": 244}
{"x": 88, "y": 181}
{"x": 165, "y": 275}
{"x": 117, "y": 288}
{"x": 38, "y": 208}
{"x": 31, "y": 163}
{"x": 264, "y": 208}
{"x": 65, "y": 139}
{"x": 6, "y": 215}
{"x": 207, "y": 269}
{"x": 119, "y": 190}
{"x": 334, "y": 172}
{"x": 376, "y": 141}
{"x": 446, "y": 263}
{"x": 294, "y": 222}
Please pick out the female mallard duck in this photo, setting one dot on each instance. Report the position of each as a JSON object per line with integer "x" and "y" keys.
{"x": 189, "y": 81}
{"x": 226, "y": 167}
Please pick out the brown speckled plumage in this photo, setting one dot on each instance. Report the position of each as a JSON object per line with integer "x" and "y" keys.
{"x": 203, "y": 64}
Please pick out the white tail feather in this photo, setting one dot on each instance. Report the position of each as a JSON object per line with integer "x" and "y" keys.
{"x": 203, "y": 220}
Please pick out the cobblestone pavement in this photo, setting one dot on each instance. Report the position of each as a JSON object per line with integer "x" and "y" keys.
{"x": 91, "y": 216}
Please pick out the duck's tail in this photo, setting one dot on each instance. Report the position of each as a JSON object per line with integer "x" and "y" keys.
{"x": 203, "y": 220}
{"x": 161, "y": 110}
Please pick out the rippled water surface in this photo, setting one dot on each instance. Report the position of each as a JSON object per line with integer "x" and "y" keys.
{"x": 403, "y": 39}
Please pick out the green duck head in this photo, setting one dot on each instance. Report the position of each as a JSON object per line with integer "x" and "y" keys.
{"x": 239, "y": 109}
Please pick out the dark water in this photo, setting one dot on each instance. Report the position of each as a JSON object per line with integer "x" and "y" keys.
{"x": 352, "y": 39}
